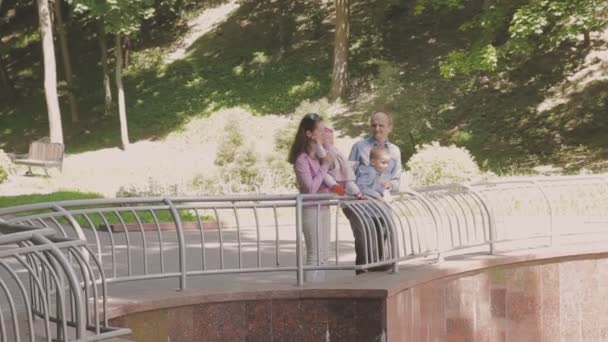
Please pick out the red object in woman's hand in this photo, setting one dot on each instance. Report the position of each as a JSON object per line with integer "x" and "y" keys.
{"x": 338, "y": 189}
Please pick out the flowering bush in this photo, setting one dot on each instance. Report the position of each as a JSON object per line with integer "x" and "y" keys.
{"x": 241, "y": 171}
{"x": 435, "y": 164}
{"x": 6, "y": 166}
{"x": 323, "y": 107}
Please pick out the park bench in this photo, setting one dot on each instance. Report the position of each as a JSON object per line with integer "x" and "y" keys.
{"x": 42, "y": 154}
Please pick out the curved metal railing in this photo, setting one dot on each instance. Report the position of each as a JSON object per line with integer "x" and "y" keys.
{"x": 49, "y": 278}
{"x": 151, "y": 238}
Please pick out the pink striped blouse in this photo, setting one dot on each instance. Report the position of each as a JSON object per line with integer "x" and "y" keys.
{"x": 309, "y": 174}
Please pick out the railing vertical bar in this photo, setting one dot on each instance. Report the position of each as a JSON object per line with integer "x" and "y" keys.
{"x": 201, "y": 228}
{"x": 181, "y": 242}
{"x": 97, "y": 243}
{"x": 128, "y": 240}
{"x": 317, "y": 232}
{"x": 28, "y": 306}
{"x": 220, "y": 237}
{"x": 58, "y": 225}
{"x": 112, "y": 244}
{"x": 41, "y": 296}
{"x": 299, "y": 264}
{"x": 276, "y": 225}
{"x": 143, "y": 239}
{"x": 2, "y": 328}
{"x": 238, "y": 236}
{"x": 337, "y": 247}
{"x": 160, "y": 241}
{"x": 12, "y": 307}
{"x": 257, "y": 229}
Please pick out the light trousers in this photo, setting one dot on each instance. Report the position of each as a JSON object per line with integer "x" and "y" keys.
{"x": 316, "y": 227}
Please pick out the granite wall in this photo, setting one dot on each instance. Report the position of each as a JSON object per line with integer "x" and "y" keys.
{"x": 560, "y": 300}
{"x": 555, "y": 299}
{"x": 288, "y": 320}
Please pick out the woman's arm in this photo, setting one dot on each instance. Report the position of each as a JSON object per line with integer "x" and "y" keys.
{"x": 308, "y": 183}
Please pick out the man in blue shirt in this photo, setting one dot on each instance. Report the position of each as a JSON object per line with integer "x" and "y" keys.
{"x": 381, "y": 124}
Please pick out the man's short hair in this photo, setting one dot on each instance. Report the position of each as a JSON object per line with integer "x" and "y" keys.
{"x": 388, "y": 114}
{"x": 378, "y": 152}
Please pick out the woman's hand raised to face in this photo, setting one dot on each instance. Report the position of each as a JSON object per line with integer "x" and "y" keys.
{"x": 328, "y": 160}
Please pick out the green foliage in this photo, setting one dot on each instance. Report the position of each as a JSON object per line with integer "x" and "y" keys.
{"x": 119, "y": 16}
{"x": 130, "y": 218}
{"x": 3, "y": 175}
{"x": 6, "y": 166}
{"x": 435, "y": 164}
{"x": 283, "y": 138}
{"x": 423, "y": 5}
{"x": 469, "y": 62}
{"x": 327, "y": 110}
{"x": 152, "y": 188}
{"x": 238, "y": 64}
{"x": 240, "y": 171}
{"x": 508, "y": 33}
{"x": 11, "y": 201}
{"x": 229, "y": 148}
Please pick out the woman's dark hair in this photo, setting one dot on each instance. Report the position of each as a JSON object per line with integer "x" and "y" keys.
{"x": 300, "y": 142}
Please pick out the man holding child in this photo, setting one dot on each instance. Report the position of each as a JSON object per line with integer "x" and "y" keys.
{"x": 377, "y": 171}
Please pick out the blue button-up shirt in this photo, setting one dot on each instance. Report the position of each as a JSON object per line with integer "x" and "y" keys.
{"x": 370, "y": 181}
{"x": 360, "y": 153}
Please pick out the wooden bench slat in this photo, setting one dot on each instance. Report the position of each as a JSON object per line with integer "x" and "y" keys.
{"x": 43, "y": 154}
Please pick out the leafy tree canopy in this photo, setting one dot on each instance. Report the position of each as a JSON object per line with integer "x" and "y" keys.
{"x": 119, "y": 16}
{"x": 508, "y": 32}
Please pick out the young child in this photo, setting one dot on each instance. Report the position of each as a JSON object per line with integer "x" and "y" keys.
{"x": 341, "y": 171}
{"x": 374, "y": 180}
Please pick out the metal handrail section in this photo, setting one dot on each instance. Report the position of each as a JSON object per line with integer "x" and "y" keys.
{"x": 49, "y": 290}
{"x": 152, "y": 238}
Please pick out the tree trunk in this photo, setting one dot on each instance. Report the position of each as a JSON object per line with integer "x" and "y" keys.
{"x": 126, "y": 52}
{"x": 122, "y": 111}
{"x": 67, "y": 64}
{"x": 286, "y": 20}
{"x": 587, "y": 39}
{"x": 7, "y": 83}
{"x": 339, "y": 77}
{"x": 50, "y": 72}
{"x": 104, "y": 69}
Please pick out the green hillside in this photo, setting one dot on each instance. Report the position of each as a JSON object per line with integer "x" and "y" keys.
{"x": 268, "y": 56}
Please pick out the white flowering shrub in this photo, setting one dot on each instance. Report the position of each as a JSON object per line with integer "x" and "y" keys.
{"x": 435, "y": 164}
{"x": 242, "y": 171}
{"x": 323, "y": 107}
{"x": 6, "y": 166}
{"x": 152, "y": 188}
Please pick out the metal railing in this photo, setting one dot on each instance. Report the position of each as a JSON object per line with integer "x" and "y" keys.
{"x": 52, "y": 279}
{"x": 152, "y": 238}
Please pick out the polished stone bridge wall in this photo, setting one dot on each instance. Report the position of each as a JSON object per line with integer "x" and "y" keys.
{"x": 545, "y": 296}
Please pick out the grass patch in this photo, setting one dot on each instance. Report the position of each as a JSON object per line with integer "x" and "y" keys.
{"x": 12, "y": 201}
{"x": 111, "y": 218}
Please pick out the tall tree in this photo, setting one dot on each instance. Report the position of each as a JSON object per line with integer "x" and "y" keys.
{"x": 105, "y": 70}
{"x": 122, "y": 111}
{"x": 67, "y": 64}
{"x": 339, "y": 79}
{"x": 50, "y": 72}
{"x": 5, "y": 79}
{"x": 122, "y": 19}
